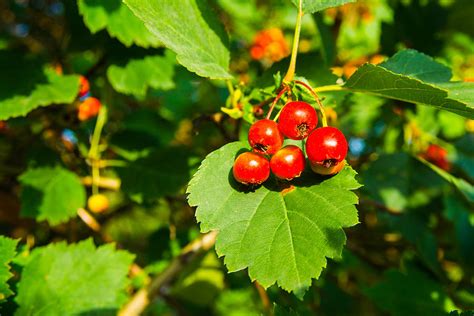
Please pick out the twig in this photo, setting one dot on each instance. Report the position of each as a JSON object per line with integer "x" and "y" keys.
{"x": 88, "y": 219}
{"x": 102, "y": 182}
{"x": 267, "y": 306}
{"x": 143, "y": 297}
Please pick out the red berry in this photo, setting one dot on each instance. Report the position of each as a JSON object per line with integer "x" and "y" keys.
{"x": 297, "y": 120}
{"x": 288, "y": 162}
{"x": 438, "y": 156}
{"x": 264, "y": 137}
{"x": 251, "y": 168}
{"x": 326, "y": 147}
{"x": 88, "y": 108}
{"x": 83, "y": 86}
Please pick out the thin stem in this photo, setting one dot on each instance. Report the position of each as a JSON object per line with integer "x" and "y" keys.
{"x": 267, "y": 306}
{"x": 278, "y": 97}
{"x": 318, "y": 101}
{"x": 112, "y": 163}
{"x": 334, "y": 87}
{"x": 94, "y": 152}
{"x": 296, "y": 40}
{"x": 88, "y": 219}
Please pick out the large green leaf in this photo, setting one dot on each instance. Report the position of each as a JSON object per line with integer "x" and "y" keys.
{"x": 139, "y": 74}
{"x": 189, "y": 28}
{"x": 76, "y": 279}
{"x": 311, "y": 6}
{"x": 119, "y": 21}
{"x": 281, "y": 236}
{"x": 7, "y": 252}
{"x": 28, "y": 84}
{"x": 413, "y": 293}
{"x": 413, "y": 77}
{"x": 51, "y": 194}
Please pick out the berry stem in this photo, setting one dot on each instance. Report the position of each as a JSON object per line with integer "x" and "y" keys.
{"x": 94, "y": 152}
{"x": 296, "y": 39}
{"x": 278, "y": 97}
{"x": 318, "y": 101}
{"x": 333, "y": 87}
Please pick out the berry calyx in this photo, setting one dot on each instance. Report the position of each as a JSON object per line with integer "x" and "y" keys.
{"x": 265, "y": 137}
{"x": 297, "y": 120}
{"x": 98, "y": 203}
{"x": 88, "y": 108}
{"x": 326, "y": 147}
{"x": 321, "y": 169}
{"x": 251, "y": 168}
{"x": 288, "y": 163}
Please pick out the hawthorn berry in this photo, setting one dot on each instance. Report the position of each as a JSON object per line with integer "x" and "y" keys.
{"x": 438, "y": 156}
{"x": 270, "y": 46}
{"x": 251, "y": 168}
{"x": 326, "y": 148}
{"x": 83, "y": 86}
{"x": 288, "y": 162}
{"x": 265, "y": 137}
{"x": 88, "y": 108}
{"x": 297, "y": 120}
{"x": 98, "y": 203}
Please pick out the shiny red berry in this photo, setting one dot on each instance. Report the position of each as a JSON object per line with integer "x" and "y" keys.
{"x": 251, "y": 168}
{"x": 326, "y": 147}
{"x": 264, "y": 137}
{"x": 297, "y": 120}
{"x": 288, "y": 162}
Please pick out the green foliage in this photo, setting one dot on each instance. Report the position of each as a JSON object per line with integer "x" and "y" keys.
{"x": 75, "y": 279}
{"x": 118, "y": 20}
{"x": 403, "y": 77}
{"x": 410, "y": 293}
{"x": 281, "y": 235}
{"x": 191, "y": 30}
{"x": 7, "y": 252}
{"x": 32, "y": 85}
{"x": 140, "y": 74}
{"x": 312, "y": 6}
{"x": 51, "y": 194}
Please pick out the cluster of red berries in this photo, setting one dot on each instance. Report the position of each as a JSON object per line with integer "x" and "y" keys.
{"x": 89, "y": 106}
{"x": 326, "y": 147}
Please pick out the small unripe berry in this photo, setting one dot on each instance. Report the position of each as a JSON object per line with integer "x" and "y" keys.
{"x": 98, "y": 203}
{"x": 251, "y": 168}
{"x": 297, "y": 120}
{"x": 288, "y": 162}
{"x": 265, "y": 137}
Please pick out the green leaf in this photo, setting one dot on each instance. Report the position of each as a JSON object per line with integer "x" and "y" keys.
{"x": 51, "y": 194}
{"x": 140, "y": 74}
{"x": 29, "y": 84}
{"x": 160, "y": 173}
{"x": 191, "y": 30}
{"x": 74, "y": 279}
{"x": 280, "y": 236}
{"x": 7, "y": 252}
{"x": 414, "y": 77}
{"x": 119, "y": 21}
{"x": 311, "y": 6}
{"x": 412, "y": 293}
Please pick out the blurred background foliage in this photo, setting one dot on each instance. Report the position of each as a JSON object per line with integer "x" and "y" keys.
{"x": 412, "y": 253}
